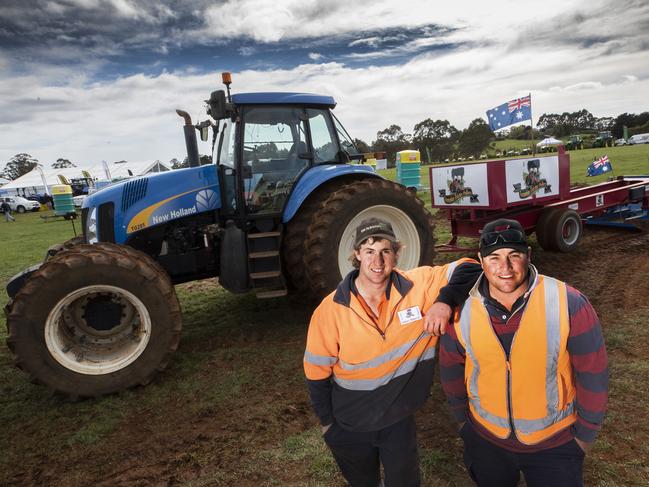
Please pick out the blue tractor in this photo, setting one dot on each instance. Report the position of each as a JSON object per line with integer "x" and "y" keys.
{"x": 275, "y": 213}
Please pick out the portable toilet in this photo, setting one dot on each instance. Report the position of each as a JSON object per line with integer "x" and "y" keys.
{"x": 408, "y": 163}
{"x": 63, "y": 201}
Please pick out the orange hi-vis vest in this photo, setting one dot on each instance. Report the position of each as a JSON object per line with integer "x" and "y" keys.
{"x": 534, "y": 391}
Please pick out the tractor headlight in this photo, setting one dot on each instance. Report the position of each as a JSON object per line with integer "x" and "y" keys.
{"x": 91, "y": 227}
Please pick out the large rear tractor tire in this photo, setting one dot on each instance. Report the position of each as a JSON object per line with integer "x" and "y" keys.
{"x": 94, "y": 320}
{"x": 294, "y": 241}
{"x": 330, "y": 237}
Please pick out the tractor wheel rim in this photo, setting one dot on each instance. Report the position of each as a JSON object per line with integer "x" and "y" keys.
{"x": 80, "y": 345}
{"x": 403, "y": 226}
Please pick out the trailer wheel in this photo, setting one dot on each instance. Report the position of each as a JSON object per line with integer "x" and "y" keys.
{"x": 566, "y": 228}
{"x": 94, "y": 320}
{"x": 330, "y": 237}
{"x": 543, "y": 229}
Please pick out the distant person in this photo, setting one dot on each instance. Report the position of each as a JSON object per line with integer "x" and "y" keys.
{"x": 7, "y": 211}
{"x": 369, "y": 362}
{"x": 524, "y": 369}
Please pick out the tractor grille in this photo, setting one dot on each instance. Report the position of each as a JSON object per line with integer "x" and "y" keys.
{"x": 133, "y": 191}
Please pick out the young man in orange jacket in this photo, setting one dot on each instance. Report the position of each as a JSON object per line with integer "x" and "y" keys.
{"x": 369, "y": 361}
{"x": 524, "y": 369}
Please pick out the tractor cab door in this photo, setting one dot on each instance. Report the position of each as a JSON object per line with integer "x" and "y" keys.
{"x": 275, "y": 154}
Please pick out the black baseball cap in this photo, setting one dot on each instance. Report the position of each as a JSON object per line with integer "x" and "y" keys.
{"x": 374, "y": 227}
{"x": 501, "y": 234}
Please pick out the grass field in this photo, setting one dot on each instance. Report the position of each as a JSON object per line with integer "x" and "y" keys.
{"x": 232, "y": 410}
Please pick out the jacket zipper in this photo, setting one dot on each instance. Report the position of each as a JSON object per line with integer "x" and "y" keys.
{"x": 375, "y": 326}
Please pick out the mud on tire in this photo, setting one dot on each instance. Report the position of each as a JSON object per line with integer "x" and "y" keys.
{"x": 93, "y": 320}
{"x": 330, "y": 236}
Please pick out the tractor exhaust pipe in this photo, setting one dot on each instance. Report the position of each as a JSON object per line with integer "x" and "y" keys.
{"x": 190, "y": 139}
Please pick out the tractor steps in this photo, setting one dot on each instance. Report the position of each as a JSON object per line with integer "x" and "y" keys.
{"x": 265, "y": 263}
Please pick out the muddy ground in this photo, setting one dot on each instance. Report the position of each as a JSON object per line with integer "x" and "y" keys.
{"x": 261, "y": 431}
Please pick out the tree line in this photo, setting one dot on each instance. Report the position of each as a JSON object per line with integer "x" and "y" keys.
{"x": 436, "y": 140}
{"x": 439, "y": 140}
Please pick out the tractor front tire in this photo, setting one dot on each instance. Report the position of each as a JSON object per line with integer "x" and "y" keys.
{"x": 94, "y": 320}
{"x": 330, "y": 237}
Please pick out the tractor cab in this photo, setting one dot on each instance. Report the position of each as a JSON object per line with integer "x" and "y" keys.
{"x": 268, "y": 141}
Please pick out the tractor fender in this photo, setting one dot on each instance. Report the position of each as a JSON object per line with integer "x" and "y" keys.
{"x": 318, "y": 175}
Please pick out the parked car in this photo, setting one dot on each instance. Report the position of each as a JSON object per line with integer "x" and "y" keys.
{"x": 639, "y": 139}
{"x": 621, "y": 142}
{"x": 20, "y": 204}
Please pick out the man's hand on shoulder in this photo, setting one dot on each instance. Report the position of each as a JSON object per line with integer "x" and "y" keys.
{"x": 437, "y": 318}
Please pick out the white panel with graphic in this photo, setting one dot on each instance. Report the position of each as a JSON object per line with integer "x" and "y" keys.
{"x": 537, "y": 177}
{"x": 460, "y": 185}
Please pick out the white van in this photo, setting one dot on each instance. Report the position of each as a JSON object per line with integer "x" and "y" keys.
{"x": 639, "y": 139}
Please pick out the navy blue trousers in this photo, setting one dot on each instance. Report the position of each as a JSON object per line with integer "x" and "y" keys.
{"x": 491, "y": 466}
{"x": 360, "y": 455}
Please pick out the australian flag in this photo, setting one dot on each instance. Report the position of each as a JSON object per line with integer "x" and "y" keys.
{"x": 509, "y": 113}
{"x": 599, "y": 166}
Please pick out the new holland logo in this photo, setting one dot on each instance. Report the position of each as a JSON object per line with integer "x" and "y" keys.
{"x": 206, "y": 200}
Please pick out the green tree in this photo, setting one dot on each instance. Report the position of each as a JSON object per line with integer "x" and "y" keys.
{"x": 391, "y": 140}
{"x": 202, "y": 160}
{"x": 62, "y": 163}
{"x": 18, "y": 165}
{"x": 362, "y": 146}
{"x": 176, "y": 164}
{"x": 475, "y": 138}
{"x": 435, "y": 139}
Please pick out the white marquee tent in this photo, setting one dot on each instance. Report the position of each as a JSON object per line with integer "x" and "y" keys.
{"x": 549, "y": 141}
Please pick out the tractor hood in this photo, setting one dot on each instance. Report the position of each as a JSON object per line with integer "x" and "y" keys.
{"x": 154, "y": 199}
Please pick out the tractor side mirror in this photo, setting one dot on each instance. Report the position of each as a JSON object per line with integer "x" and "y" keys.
{"x": 205, "y": 132}
{"x": 218, "y": 107}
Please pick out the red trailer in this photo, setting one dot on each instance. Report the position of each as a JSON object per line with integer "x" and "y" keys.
{"x": 535, "y": 191}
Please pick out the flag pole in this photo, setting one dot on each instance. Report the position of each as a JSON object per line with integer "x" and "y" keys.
{"x": 532, "y": 126}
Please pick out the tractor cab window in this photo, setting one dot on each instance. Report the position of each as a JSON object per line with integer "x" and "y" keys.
{"x": 275, "y": 153}
{"x": 325, "y": 145}
{"x": 346, "y": 142}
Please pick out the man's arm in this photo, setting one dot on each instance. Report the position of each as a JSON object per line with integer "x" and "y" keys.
{"x": 462, "y": 280}
{"x": 319, "y": 358}
{"x": 450, "y": 296}
{"x": 452, "y": 360}
{"x": 590, "y": 365}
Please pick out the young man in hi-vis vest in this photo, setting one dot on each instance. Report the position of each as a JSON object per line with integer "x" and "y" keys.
{"x": 524, "y": 369}
{"x": 369, "y": 362}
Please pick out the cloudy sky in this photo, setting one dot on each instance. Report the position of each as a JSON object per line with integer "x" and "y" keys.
{"x": 92, "y": 80}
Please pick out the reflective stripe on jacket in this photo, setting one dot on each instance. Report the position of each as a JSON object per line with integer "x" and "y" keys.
{"x": 534, "y": 390}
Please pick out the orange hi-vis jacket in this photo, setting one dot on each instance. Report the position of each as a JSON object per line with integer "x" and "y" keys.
{"x": 378, "y": 377}
{"x": 533, "y": 391}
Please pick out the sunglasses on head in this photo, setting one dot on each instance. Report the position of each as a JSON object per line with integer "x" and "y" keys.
{"x": 510, "y": 235}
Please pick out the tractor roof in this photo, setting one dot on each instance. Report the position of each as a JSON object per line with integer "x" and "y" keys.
{"x": 274, "y": 98}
